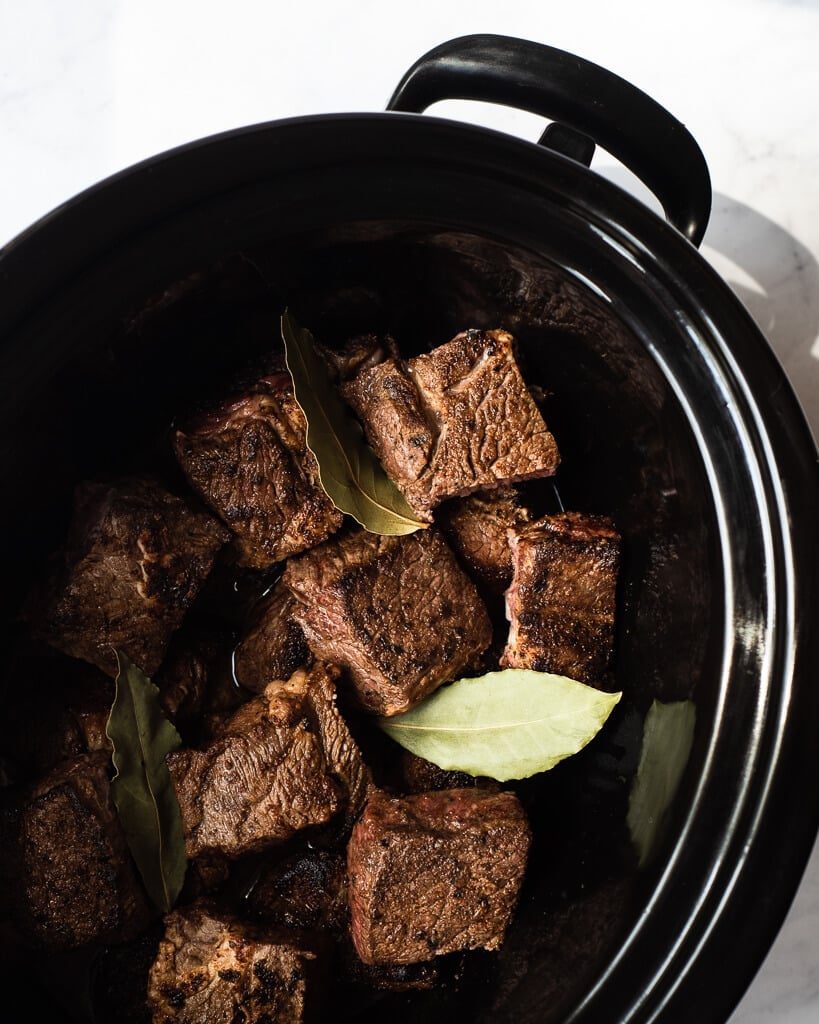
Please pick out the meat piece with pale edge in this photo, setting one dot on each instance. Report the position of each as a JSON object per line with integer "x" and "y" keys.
{"x": 477, "y": 528}
{"x": 454, "y": 420}
{"x": 282, "y": 762}
{"x": 71, "y": 877}
{"x": 274, "y": 646}
{"x": 562, "y": 598}
{"x": 135, "y": 559}
{"x": 248, "y": 460}
{"x": 398, "y": 613}
{"x": 435, "y": 873}
{"x": 214, "y": 969}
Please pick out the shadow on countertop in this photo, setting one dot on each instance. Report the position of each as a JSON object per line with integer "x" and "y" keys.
{"x": 774, "y": 275}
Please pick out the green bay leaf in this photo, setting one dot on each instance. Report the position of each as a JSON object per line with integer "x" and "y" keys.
{"x": 142, "y": 789}
{"x": 668, "y": 734}
{"x": 505, "y": 725}
{"x": 349, "y": 470}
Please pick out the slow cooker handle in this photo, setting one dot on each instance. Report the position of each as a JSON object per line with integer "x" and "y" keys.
{"x": 584, "y": 97}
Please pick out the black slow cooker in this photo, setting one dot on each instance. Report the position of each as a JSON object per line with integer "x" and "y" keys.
{"x": 672, "y": 414}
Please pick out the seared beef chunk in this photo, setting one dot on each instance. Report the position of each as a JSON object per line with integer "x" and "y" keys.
{"x": 420, "y": 776}
{"x": 454, "y": 420}
{"x": 397, "y": 612}
{"x": 135, "y": 559}
{"x": 274, "y": 647}
{"x": 477, "y": 527}
{"x": 283, "y": 761}
{"x": 248, "y": 459}
{"x": 434, "y": 873}
{"x": 307, "y": 890}
{"x": 74, "y": 881}
{"x": 561, "y": 601}
{"x": 213, "y": 969}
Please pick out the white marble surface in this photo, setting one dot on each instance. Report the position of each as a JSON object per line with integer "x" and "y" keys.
{"x": 90, "y": 86}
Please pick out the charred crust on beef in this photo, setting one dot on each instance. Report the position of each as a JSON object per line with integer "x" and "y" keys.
{"x": 212, "y": 967}
{"x": 402, "y": 903}
{"x": 274, "y": 646}
{"x": 135, "y": 559}
{"x": 305, "y": 891}
{"x": 85, "y": 889}
{"x": 264, "y": 777}
{"x": 561, "y": 602}
{"x": 417, "y": 775}
{"x": 398, "y": 613}
{"x": 454, "y": 420}
{"x": 248, "y": 460}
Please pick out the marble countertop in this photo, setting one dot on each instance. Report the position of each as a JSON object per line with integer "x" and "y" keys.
{"x": 89, "y": 87}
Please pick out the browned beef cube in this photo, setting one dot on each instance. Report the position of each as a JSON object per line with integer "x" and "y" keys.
{"x": 477, "y": 528}
{"x": 248, "y": 459}
{"x": 306, "y": 891}
{"x": 282, "y": 762}
{"x": 274, "y": 646}
{"x": 135, "y": 559}
{"x": 213, "y": 969}
{"x": 435, "y": 873}
{"x": 454, "y": 420}
{"x": 561, "y": 601}
{"x": 397, "y": 612}
{"x": 74, "y": 881}
{"x": 417, "y": 775}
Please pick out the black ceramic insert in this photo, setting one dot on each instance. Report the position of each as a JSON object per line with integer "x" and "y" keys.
{"x": 142, "y": 296}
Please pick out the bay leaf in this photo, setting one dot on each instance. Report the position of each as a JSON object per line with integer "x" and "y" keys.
{"x": 505, "y": 725}
{"x": 142, "y": 789}
{"x": 349, "y": 470}
{"x": 668, "y": 734}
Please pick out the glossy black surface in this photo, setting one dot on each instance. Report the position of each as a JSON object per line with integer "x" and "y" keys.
{"x": 672, "y": 415}
{"x": 584, "y": 97}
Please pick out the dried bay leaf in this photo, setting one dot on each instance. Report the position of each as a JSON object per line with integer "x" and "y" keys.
{"x": 349, "y": 470}
{"x": 668, "y": 734}
{"x": 504, "y": 725}
{"x": 142, "y": 789}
